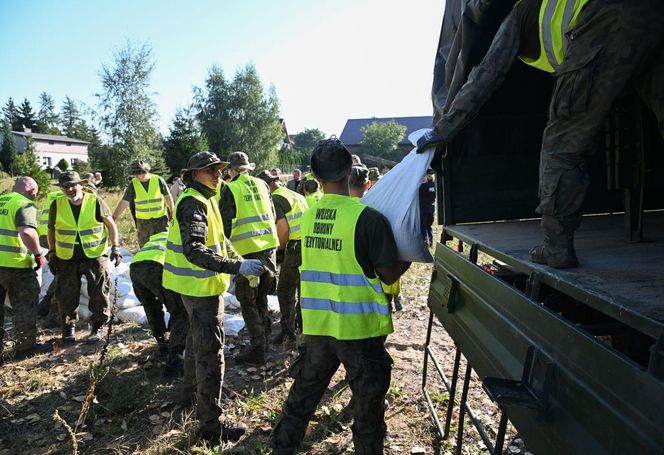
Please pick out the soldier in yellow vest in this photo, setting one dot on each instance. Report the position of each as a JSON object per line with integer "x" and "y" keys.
{"x": 20, "y": 258}
{"x": 197, "y": 265}
{"x": 249, "y": 222}
{"x": 80, "y": 227}
{"x": 146, "y": 270}
{"x": 312, "y": 192}
{"x": 594, "y": 50}
{"x": 289, "y": 207}
{"x": 347, "y": 249}
{"x": 151, "y": 199}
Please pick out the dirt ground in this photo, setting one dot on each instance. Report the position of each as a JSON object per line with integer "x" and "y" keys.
{"x": 135, "y": 410}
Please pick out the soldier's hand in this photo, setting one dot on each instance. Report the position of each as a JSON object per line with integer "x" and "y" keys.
{"x": 39, "y": 262}
{"x": 52, "y": 261}
{"x": 251, "y": 267}
{"x": 429, "y": 140}
{"x": 115, "y": 255}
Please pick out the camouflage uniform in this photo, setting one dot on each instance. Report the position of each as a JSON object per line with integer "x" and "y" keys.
{"x": 368, "y": 371}
{"x": 147, "y": 228}
{"x": 23, "y": 289}
{"x": 204, "y": 352}
{"x": 68, "y": 288}
{"x": 288, "y": 286}
{"x": 146, "y": 278}
{"x": 615, "y": 44}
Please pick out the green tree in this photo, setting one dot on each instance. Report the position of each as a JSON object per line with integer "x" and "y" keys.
{"x": 8, "y": 150}
{"x": 26, "y": 116}
{"x": 240, "y": 115}
{"x": 305, "y": 142}
{"x": 128, "y": 115}
{"x": 47, "y": 118}
{"x": 10, "y": 112}
{"x": 185, "y": 139}
{"x": 27, "y": 164}
{"x": 382, "y": 139}
{"x": 71, "y": 120}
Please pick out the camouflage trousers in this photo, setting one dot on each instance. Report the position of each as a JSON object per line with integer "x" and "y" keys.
{"x": 147, "y": 228}
{"x": 368, "y": 371}
{"x": 204, "y": 358}
{"x": 22, "y": 287}
{"x": 253, "y": 301}
{"x": 146, "y": 279}
{"x": 288, "y": 287}
{"x": 68, "y": 288}
{"x": 616, "y": 45}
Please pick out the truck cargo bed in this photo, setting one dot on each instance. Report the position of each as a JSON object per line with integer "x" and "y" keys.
{"x": 620, "y": 279}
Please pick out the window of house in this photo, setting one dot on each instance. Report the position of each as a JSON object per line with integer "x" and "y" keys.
{"x": 68, "y": 144}
{"x": 51, "y": 143}
{"x": 46, "y": 161}
{"x": 74, "y": 161}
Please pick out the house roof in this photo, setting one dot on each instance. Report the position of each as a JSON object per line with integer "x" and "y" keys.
{"x": 50, "y": 137}
{"x": 351, "y": 134}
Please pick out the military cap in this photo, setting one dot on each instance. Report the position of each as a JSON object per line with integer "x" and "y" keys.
{"x": 330, "y": 160}
{"x": 199, "y": 161}
{"x": 240, "y": 161}
{"x": 359, "y": 175}
{"x": 374, "y": 174}
{"x": 139, "y": 167}
{"x": 267, "y": 176}
{"x": 69, "y": 178}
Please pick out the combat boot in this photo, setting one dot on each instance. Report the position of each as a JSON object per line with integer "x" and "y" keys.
{"x": 35, "y": 349}
{"x": 232, "y": 431}
{"x": 254, "y": 355}
{"x": 96, "y": 335}
{"x": 68, "y": 333}
{"x": 557, "y": 251}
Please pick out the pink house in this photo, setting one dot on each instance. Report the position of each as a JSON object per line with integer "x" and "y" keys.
{"x": 51, "y": 149}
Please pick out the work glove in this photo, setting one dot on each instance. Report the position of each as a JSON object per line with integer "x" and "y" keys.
{"x": 52, "y": 261}
{"x": 251, "y": 267}
{"x": 428, "y": 140}
{"x": 115, "y": 255}
{"x": 39, "y": 262}
{"x": 280, "y": 256}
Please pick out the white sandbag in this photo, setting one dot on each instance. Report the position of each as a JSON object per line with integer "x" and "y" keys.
{"x": 231, "y": 302}
{"x": 133, "y": 314}
{"x": 396, "y": 195}
{"x": 84, "y": 312}
{"x": 233, "y": 323}
{"x": 273, "y": 305}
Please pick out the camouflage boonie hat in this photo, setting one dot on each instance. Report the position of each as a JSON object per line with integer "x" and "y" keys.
{"x": 359, "y": 175}
{"x": 139, "y": 167}
{"x": 240, "y": 161}
{"x": 311, "y": 185}
{"x": 199, "y": 161}
{"x": 267, "y": 176}
{"x": 374, "y": 174}
{"x": 69, "y": 178}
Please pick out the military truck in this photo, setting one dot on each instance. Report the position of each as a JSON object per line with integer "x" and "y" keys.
{"x": 573, "y": 358}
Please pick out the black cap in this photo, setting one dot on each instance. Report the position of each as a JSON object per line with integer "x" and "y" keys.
{"x": 311, "y": 185}
{"x": 330, "y": 160}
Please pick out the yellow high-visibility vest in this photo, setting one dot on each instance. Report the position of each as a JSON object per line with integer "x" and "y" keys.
{"x": 149, "y": 204}
{"x": 154, "y": 249}
{"x": 42, "y": 227}
{"x": 253, "y": 227}
{"x": 556, "y": 19}
{"x": 13, "y": 252}
{"x": 182, "y": 276}
{"x": 298, "y": 206}
{"x": 69, "y": 231}
{"x": 336, "y": 297}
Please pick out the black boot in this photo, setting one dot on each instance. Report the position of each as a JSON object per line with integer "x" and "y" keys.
{"x": 232, "y": 431}
{"x": 96, "y": 335}
{"x": 254, "y": 355}
{"x": 35, "y": 349}
{"x": 68, "y": 333}
{"x": 557, "y": 252}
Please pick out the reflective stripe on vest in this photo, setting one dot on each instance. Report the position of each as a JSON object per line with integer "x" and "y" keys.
{"x": 253, "y": 228}
{"x": 298, "y": 205}
{"x": 68, "y": 231}
{"x": 557, "y": 18}
{"x": 42, "y": 227}
{"x": 336, "y": 297}
{"x": 154, "y": 249}
{"x": 13, "y": 252}
{"x": 148, "y": 204}
{"x": 178, "y": 271}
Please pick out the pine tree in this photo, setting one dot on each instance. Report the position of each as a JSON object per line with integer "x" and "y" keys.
{"x": 184, "y": 140}
{"x": 8, "y": 150}
{"x": 26, "y": 116}
{"x": 47, "y": 118}
{"x": 10, "y": 111}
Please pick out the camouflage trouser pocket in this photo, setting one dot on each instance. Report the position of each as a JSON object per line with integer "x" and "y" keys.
{"x": 574, "y": 84}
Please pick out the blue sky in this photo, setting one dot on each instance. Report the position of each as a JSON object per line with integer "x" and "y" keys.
{"x": 328, "y": 60}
